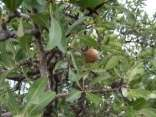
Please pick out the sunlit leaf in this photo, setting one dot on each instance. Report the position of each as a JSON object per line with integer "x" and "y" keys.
{"x": 135, "y": 70}
{"x": 37, "y": 98}
{"x": 55, "y": 35}
{"x": 138, "y": 93}
{"x": 112, "y": 62}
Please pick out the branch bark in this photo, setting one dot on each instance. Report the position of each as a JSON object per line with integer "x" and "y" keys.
{"x": 6, "y": 34}
{"x": 7, "y": 114}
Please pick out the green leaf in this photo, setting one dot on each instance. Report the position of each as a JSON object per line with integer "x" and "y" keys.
{"x": 41, "y": 19}
{"x": 130, "y": 112}
{"x": 20, "y": 55}
{"x": 94, "y": 99}
{"x": 147, "y": 52}
{"x": 153, "y": 62}
{"x": 139, "y": 103}
{"x": 20, "y": 31}
{"x": 137, "y": 69}
{"x": 146, "y": 112}
{"x": 55, "y": 35}
{"x": 12, "y": 5}
{"x": 89, "y": 3}
{"x": 75, "y": 24}
{"x": 25, "y": 45}
{"x": 138, "y": 93}
{"x": 72, "y": 76}
{"x": 112, "y": 62}
{"x": 115, "y": 42}
{"x": 40, "y": 5}
{"x": 41, "y": 102}
{"x": 7, "y": 97}
{"x": 131, "y": 19}
{"x": 152, "y": 95}
{"x": 12, "y": 103}
{"x": 6, "y": 54}
{"x": 4, "y": 74}
{"x": 61, "y": 65}
{"x": 88, "y": 41}
{"x": 74, "y": 95}
{"x": 102, "y": 78}
{"x": 37, "y": 98}
{"x": 73, "y": 60}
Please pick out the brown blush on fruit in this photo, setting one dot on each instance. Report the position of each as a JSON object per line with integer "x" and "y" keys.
{"x": 91, "y": 55}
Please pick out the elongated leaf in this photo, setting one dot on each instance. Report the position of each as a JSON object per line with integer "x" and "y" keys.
{"x": 37, "y": 97}
{"x": 20, "y": 31}
{"x": 73, "y": 61}
{"x": 55, "y": 35}
{"x": 137, "y": 69}
{"x": 35, "y": 89}
{"x": 138, "y": 93}
{"x": 75, "y": 24}
{"x": 40, "y": 5}
{"x": 112, "y": 62}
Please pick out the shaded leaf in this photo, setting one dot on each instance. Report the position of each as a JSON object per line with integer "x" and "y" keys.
{"x": 41, "y": 19}
{"x": 146, "y": 112}
{"x": 94, "y": 99}
{"x": 72, "y": 76}
{"x": 12, "y": 4}
{"x": 74, "y": 95}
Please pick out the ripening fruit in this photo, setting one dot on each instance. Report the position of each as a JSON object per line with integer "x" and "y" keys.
{"x": 91, "y": 55}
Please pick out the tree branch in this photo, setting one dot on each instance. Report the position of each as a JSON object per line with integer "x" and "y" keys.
{"x": 6, "y": 114}
{"x": 6, "y": 34}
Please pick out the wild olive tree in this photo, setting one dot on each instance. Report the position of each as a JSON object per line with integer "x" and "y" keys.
{"x": 77, "y": 58}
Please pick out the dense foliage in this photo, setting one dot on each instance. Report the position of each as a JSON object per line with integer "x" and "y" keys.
{"x": 43, "y": 71}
